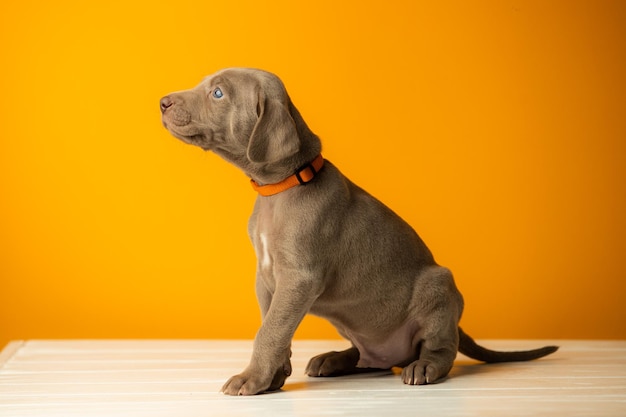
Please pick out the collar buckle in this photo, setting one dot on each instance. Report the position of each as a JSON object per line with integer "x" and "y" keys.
{"x": 308, "y": 178}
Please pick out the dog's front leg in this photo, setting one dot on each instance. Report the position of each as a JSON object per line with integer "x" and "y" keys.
{"x": 270, "y": 365}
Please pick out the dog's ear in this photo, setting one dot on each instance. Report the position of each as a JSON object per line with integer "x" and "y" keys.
{"x": 274, "y": 136}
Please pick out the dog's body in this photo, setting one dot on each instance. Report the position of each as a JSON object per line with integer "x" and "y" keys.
{"x": 328, "y": 248}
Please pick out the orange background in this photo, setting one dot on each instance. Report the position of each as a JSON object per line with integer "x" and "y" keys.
{"x": 497, "y": 129}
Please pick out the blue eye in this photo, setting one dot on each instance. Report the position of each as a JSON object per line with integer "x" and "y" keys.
{"x": 217, "y": 93}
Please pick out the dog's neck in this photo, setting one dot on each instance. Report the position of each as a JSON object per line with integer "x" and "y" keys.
{"x": 302, "y": 176}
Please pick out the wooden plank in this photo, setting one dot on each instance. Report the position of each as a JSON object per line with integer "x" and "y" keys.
{"x": 182, "y": 378}
{"x": 9, "y": 350}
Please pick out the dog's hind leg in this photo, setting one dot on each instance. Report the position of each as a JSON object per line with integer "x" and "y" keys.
{"x": 337, "y": 364}
{"x": 333, "y": 363}
{"x": 438, "y": 311}
{"x": 436, "y": 357}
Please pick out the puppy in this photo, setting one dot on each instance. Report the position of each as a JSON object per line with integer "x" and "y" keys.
{"x": 324, "y": 246}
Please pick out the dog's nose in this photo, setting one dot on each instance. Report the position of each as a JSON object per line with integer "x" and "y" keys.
{"x": 166, "y": 102}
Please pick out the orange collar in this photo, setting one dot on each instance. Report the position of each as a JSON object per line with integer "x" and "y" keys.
{"x": 303, "y": 176}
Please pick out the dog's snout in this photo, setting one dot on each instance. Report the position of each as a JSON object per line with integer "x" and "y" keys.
{"x": 166, "y": 102}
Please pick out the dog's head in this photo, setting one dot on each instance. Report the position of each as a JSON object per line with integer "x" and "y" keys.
{"x": 245, "y": 116}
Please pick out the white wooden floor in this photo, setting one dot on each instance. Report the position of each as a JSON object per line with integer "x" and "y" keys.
{"x": 182, "y": 378}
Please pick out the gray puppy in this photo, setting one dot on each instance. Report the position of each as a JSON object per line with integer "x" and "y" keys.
{"x": 328, "y": 248}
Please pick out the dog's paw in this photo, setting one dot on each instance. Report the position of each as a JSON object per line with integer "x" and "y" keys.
{"x": 422, "y": 372}
{"x": 245, "y": 384}
{"x": 333, "y": 363}
{"x": 250, "y": 382}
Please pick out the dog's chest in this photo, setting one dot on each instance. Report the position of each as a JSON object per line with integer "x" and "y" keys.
{"x": 264, "y": 232}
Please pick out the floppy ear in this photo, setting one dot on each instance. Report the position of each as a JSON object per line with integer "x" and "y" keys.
{"x": 274, "y": 136}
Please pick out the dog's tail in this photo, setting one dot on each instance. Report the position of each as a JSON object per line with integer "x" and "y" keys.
{"x": 469, "y": 347}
